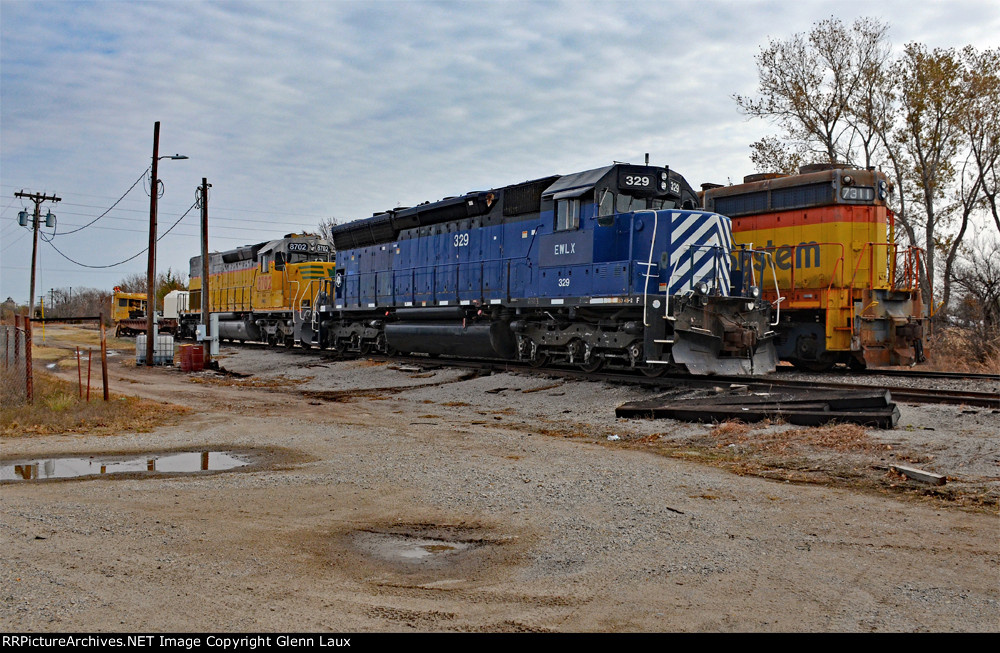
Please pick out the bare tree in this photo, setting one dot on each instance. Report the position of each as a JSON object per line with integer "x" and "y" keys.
{"x": 770, "y": 154}
{"x": 326, "y": 228}
{"x": 977, "y": 281}
{"x": 980, "y": 120}
{"x": 809, "y": 83}
{"x": 930, "y": 96}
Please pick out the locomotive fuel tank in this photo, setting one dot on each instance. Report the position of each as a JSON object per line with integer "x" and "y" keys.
{"x": 489, "y": 340}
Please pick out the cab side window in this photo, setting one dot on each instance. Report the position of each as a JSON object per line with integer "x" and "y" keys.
{"x": 606, "y": 205}
{"x": 567, "y": 214}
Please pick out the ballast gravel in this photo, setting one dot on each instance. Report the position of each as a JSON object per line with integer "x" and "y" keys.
{"x": 516, "y": 502}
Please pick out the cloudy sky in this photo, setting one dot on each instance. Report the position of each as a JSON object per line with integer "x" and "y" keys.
{"x": 296, "y": 111}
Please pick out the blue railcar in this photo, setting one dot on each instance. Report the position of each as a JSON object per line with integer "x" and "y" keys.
{"x": 609, "y": 266}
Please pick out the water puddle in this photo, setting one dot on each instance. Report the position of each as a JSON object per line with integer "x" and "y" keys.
{"x": 164, "y": 463}
{"x": 406, "y": 548}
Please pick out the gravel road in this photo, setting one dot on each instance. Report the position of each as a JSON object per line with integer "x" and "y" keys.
{"x": 381, "y": 498}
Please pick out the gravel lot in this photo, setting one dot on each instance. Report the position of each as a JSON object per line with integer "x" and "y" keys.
{"x": 381, "y": 498}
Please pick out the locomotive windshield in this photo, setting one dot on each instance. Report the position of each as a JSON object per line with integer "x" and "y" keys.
{"x": 306, "y": 257}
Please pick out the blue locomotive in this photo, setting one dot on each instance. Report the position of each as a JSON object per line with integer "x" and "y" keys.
{"x": 612, "y": 266}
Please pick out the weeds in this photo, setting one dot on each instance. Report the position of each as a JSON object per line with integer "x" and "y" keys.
{"x": 954, "y": 349}
{"x": 57, "y": 408}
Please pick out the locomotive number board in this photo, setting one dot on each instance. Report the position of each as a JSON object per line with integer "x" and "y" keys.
{"x": 857, "y": 194}
{"x": 646, "y": 181}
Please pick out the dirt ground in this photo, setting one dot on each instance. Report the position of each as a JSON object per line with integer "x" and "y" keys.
{"x": 383, "y": 498}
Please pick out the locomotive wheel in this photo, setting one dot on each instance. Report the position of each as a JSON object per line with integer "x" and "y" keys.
{"x": 272, "y": 341}
{"x": 595, "y": 363}
{"x": 653, "y": 371}
{"x": 540, "y": 360}
{"x": 365, "y": 347}
{"x": 340, "y": 346}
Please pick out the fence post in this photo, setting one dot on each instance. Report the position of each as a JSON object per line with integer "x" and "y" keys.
{"x": 104, "y": 356}
{"x": 90, "y": 358}
{"x": 27, "y": 358}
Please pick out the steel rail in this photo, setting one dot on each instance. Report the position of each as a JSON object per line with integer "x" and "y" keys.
{"x": 671, "y": 381}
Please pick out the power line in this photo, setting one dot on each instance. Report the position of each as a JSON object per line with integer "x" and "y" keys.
{"x": 131, "y": 257}
{"x": 144, "y": 231}
{"x": 24, "y": 267}
{"x": 5, "y": 247}
{"x": 214, "y": 210}
{"x": 284, "y": 225}
{"x": 141, "y": 177}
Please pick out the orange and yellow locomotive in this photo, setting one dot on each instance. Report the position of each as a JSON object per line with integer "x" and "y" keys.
{"x": 846, "y": 292}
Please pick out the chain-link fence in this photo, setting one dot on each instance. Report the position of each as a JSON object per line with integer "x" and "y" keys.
{"x": 15, "y": 364}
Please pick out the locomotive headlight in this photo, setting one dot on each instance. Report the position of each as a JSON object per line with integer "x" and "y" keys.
{"x": 848, "y": 180}
{"x": 663, "y": 176}
{"x": 754, "y": 292}
{"x": 701, "y": 288}
{"x": 750, "y": 306}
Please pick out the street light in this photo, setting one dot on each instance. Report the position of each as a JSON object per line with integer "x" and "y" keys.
{"x": 151, "y": 265}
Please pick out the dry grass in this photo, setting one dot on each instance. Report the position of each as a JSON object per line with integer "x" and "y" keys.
{"x": 836, "y": 437}
{"x": 952, "y": 350}
{"x": 58, "y": 409}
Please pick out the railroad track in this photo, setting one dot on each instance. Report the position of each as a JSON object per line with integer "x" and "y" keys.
{"x": 770, "y": 383}
{"x": 914, "y": 373}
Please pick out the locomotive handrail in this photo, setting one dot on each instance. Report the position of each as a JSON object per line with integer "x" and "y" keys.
{"x": 649, "y": 265}
{"x": 296, "y": 303}
{"x": 531, "y": 243}
{"x": 774, "y": 275}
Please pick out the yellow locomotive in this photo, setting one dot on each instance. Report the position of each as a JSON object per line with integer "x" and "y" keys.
{"x": 128, "y": 312}
{"x": 264, "y": 292}
{"x": 848, "y": 294}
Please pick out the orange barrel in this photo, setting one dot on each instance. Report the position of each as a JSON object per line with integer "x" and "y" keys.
{"x": 186, "y": 357}
{"x": 197, "y": 358}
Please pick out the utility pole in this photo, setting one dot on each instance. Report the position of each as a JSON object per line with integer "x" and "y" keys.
{"x": 204, "y": 266}
{"x": 37, "y": 199}
{"x": 154, "y": 188}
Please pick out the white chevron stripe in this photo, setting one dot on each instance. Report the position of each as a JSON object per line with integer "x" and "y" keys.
{"x": 711, "y": 234}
